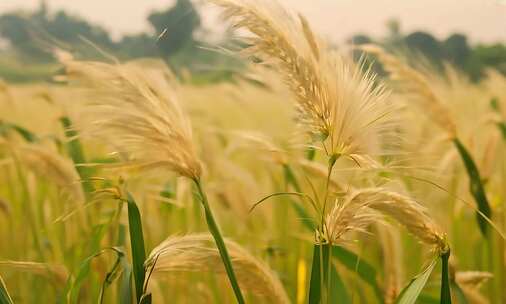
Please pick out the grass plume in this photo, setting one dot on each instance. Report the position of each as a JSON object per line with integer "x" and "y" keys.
{"x": 196, "y": 253}
{"x": 337, "y": 102}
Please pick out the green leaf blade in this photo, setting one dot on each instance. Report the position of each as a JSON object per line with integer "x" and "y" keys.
{"x": 475, "y": 186}
{"x": 5, "y": 298}
{"x": 411, "y": 292}
{"x": 363, "y": 269}
{"x": 137, "y": 246}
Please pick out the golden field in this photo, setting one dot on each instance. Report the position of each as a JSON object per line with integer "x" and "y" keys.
{"x": 328, "y": 183}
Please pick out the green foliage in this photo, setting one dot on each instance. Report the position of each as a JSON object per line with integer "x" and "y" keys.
{"x": 30, "y": 33}
{"x": 362, "y": 268}
{"x": 137, "y": 246}
{"x": 27, "y": 135}
{"x": 475, "y": 187}
{"x": 411, "y": 292}
{"x": 5, "y": 298}
{"x": 73, "y": 285}
{"x": 75, "y": 150}
{"x": 319, "y": 278}
{"x": 220, "y": 243}
{"x": 333, "y": 286}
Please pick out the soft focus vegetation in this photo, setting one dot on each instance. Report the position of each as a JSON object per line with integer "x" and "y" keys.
{"x": 369, "y": 174}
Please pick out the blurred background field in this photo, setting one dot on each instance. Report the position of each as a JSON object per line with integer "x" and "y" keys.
{"x": 57, "y": 234}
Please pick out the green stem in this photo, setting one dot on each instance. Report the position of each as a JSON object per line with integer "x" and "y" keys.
{"x": 445, "y": 283}
{"x": 320, "y": 276}
{"x": 220, "y": 243}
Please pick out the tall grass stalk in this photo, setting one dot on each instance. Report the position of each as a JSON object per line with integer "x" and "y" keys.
{"x": 215, "y": 232}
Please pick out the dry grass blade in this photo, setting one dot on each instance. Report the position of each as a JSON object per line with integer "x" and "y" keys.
{"x": 197, "y": 252}
{"x": 136, "y": 110}
{"x": 337, "y": 102}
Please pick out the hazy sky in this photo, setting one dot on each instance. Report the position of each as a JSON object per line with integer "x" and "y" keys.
{"x": 481, "y": 20}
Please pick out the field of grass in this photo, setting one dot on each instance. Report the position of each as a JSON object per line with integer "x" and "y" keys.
{"x": 307, "y": 179}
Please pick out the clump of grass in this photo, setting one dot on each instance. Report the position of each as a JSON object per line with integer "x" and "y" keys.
{"x": 418, "y": 87}
{"x": 197, "y": 253}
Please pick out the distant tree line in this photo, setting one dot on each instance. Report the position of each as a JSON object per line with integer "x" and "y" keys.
{"x": 30, "y": 33}
{"x": 455, "y": 49}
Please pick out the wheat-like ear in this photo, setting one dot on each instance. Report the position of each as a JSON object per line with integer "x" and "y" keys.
{"x": 136, "y": 110}
{"x": 197, "y": 253}
{"x": 52, "y": 271}
{"x": 337, "y": 102}
{"x": 355, "y": 214}
{"x": 51, "y": 165}
{"x": 470, "y": 282}
{"x": 350, "y": 215}
{"x": 417, "y": 85}
{"x": 472, "y": 278}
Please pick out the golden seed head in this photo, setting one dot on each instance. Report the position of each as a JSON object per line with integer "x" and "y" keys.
{"x": 135, "y": 109}
{"x": 197, "y": 253}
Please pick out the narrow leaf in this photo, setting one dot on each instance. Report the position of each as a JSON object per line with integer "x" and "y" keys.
{"x": 5, "y": 298}
{"x": 220, "y": 243}
{"x": 125, "y": 291}
{"x": 25, "y": 133}
{"x": 291, "y": 180}
{"x": 315, "y": 283}
{"x": 75, "y": 151}
{"x": 146, "y": 299}
{"x": 125, "y": 286}
{"x": 411, "y": 292}
{"x": 115, "y": 271}
{"x": 333, "y": 286}
{"x": 363, "y": 269}
{"x": 427, "y": 299}
{"x": 337, "y": 292}
{"x": 137, "y": 246}
{"x": 310, "y": 153}
{"x": 73, "y": 286}
{"x": 475, "y": 186}
{"x": 306, "y": 219}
